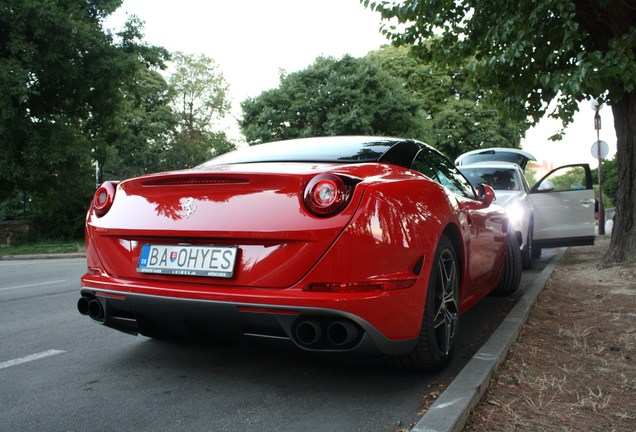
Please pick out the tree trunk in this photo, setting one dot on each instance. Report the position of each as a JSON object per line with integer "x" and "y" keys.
{"x": 606, "y": 21}
{"x": 623, "y": 244}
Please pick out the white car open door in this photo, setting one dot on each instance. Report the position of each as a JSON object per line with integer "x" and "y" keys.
{"x": 564, "y": 204}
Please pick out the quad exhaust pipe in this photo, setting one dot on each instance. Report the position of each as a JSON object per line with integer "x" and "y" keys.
{"x": 326, "y": 334}
{"x": 308, "y": 332}
{"x": 315, "y": 333}
{"x": 91, "y": 307}
{"x": 82, "y": 305}
{"x": 342, "y": 333}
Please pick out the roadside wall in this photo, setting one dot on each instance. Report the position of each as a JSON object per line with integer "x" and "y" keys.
{"x": 13, "y": 231}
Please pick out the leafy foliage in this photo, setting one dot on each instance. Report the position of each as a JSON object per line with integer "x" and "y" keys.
{"x": 58, "y": 74}
{"x": 331, "y": 97}
{"x": 198, "y": 97}
{"x": 140, "y": 129}
{"x": 457, "y": 116}
{"x": 167, "y": 125}
{"x": 533, "y": 51}
{"x": 539, "y": 54}
{"x": 198, "y": 91}
{"x": 73, "y": 95}
{"x": 388, "y": 92}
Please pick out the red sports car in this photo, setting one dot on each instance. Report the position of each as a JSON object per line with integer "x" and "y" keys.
{"x": 353, "y": 244}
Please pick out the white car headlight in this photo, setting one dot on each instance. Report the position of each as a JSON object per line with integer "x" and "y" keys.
{"x": 515, "y": 212}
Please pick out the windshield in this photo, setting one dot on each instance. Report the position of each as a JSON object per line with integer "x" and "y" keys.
{"x": 498, "y": 178}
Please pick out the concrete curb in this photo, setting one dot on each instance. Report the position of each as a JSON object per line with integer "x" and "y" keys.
{"x": 451, "y": 410}
{"x": 42, "y": 256}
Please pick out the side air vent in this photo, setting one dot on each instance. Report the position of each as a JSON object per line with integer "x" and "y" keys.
{"x": 180, "y": 181}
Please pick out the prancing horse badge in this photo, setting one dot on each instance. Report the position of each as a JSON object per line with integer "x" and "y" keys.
{"x": 189, "y": 207}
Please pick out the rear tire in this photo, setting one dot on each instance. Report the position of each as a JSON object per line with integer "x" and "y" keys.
{"x": 436, "y": 342}
{"x": 511, "y": 276}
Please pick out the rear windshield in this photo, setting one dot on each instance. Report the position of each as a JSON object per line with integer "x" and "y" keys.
{"x": 327, "y": 149}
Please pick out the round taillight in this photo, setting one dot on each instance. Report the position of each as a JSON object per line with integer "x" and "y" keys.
{"x": 103, "y": 199}
{"x": 325, "y": 195}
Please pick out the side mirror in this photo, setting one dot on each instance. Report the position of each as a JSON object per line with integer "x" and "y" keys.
{"x": 485, "y": 194}
{"x": 546, "y": 186}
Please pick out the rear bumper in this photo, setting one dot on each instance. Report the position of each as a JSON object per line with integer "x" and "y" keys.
{"x": 309, "y": 328}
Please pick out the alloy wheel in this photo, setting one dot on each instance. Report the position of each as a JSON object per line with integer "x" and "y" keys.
{"x": 446, "y": 308}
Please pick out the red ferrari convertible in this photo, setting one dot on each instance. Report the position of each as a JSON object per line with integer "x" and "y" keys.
{"x": 362, "y": 245}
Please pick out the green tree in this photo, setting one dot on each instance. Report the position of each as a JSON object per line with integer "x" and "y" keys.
{"x": 609, "y": 176}
{"x": 458, "y": 117}
{"x": 331, "y": 97}
{"x": 141, "y": 129}
{"x": 60, "y": 76}
{"x": 167, "y": 125}
{"x": 188, "y": 150}
{"x": 199, "y": 98}
{"x": 539, "y": 52}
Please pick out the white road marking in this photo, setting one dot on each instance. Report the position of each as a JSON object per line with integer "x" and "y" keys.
{"x": 30, "y": 358}
{"x": 32, "y": 285}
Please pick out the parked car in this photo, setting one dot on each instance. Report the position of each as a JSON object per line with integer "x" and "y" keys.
{"x": 544, "y": 215}
{"x": 511, "y": 190}
{"x": 360, "y": 245}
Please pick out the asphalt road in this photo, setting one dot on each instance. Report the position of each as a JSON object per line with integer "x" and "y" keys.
{"x": 61, "y": 372}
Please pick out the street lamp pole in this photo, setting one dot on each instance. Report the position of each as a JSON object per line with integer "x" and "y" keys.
{"x": 601, "y": 208}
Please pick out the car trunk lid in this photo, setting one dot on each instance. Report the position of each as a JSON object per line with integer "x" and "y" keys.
{"x": 496, "y": 154}
{"x": 260, "y": 213}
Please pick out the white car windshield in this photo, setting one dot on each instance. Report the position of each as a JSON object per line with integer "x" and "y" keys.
{"x": 498, "y": 178}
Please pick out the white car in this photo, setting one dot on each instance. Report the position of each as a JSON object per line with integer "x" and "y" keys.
{"x": 557, "y": 211}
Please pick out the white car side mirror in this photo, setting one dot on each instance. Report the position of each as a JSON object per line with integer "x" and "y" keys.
{"x": 546, "y": 186}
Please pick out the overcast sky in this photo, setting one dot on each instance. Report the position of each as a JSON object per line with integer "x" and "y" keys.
{"x": 253, "y": 40}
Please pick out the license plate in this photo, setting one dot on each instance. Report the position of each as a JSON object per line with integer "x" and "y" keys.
{"x": 186, "y": 260}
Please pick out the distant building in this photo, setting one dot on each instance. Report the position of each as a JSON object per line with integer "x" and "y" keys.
{"x": 540, "y": 168}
